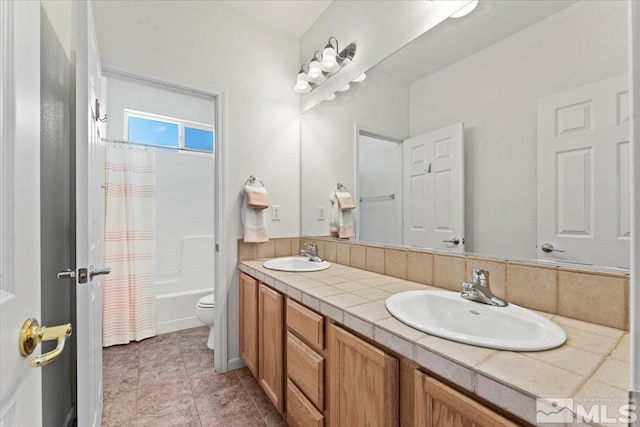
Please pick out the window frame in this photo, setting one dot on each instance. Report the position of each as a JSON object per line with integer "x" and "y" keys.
{"x": 174, "y": 121}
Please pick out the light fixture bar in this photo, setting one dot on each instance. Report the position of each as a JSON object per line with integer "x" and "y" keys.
{"x": 317, "y": 70}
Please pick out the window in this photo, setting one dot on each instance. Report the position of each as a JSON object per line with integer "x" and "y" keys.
{"x": 168, "y": 132}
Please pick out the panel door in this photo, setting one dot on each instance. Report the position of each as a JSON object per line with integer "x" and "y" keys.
{"x": 89, "y": 156}
{"x": 433, "y": 188}
{"x": 270, "y": 345}
{"x": 249, "y": 322}
{"x": 20, "y": 384}
{"x": 438, "y": 405}
{"x": 583, "y": 174}
{"x": 363, "y": 382}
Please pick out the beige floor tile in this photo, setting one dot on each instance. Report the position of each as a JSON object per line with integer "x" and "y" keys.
{"x": 530, "y": 375}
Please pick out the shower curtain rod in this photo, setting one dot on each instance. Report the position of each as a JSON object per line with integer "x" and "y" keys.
{"x": 142, "y": 144}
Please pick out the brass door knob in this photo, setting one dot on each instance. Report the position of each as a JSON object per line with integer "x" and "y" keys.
{"x": 33, "y": 334}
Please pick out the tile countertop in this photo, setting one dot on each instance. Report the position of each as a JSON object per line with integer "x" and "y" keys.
{"x": 591, "y": 367}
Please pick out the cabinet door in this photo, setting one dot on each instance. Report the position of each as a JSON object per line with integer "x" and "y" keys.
{"x": 270, "y": 344}
{"x": 249, "y": 322}
{"x": 438, "y": 405}
{"x": 363, "y": 382}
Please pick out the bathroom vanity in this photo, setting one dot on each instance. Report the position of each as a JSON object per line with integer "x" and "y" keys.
{"x": 329, "y": 374}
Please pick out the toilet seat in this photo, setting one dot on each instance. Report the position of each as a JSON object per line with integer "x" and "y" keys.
{"x": 207, "y": 301}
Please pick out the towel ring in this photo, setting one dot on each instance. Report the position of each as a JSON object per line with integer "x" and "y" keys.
{"x": 252, "y": 179}
{"x": 341, "y": 186}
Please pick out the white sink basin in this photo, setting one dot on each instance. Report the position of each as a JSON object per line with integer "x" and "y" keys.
{"x": 295, "y": 264}
{"x": 447, "y": 315}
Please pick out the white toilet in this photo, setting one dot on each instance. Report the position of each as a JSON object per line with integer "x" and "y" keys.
{"x": 204, "y": 311}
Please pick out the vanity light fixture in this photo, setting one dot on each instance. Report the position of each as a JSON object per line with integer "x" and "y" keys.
{"x": 330, "y": 61}
{"x": 330, "y": 97}
{"x": 344, "y": 88}
{"x": 302, "y": 84}
{"x": 360, "y": 78}
{"x": 465, "y": 10}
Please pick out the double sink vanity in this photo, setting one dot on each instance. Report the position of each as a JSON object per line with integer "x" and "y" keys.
{"x": 342, "y": 346}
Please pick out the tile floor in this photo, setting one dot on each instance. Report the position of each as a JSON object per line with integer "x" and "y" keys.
{"x": 169, "y": 381}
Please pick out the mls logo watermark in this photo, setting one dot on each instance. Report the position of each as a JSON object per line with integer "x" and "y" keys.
{"x": 584, "y": 410}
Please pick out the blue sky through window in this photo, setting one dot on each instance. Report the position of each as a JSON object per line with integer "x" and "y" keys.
{"x": 153, "y": 132}
{"x": 198, "y": 139}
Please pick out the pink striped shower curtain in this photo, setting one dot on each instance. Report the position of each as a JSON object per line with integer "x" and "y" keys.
{"x": 129, "y": 300}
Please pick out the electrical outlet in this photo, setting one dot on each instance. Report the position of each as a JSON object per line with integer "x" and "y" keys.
{"x": 275, "y": 213}
{"x": 321, "y": 215}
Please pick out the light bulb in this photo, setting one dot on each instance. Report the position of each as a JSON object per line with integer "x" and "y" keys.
{"x": 330, "y": 97}
{"x": 344, "y": 88}
{"x": 302, "y": 85}
{"x": 465, "y": 10}
{"x": 329, "y": 62}
{"x": 360, "y": 78}
{"x": 317, "y": 80}
{"x": 314, "y": 70}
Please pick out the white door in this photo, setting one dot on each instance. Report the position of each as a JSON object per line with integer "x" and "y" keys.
{"x": 583, "y": 174}
{"x": 433, "y": 189}
{"x": 89, "y": 219}
{"x": 20, "y": 384}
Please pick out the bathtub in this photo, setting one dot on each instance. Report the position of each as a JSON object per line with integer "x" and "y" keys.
{"x": 176, "y": 298}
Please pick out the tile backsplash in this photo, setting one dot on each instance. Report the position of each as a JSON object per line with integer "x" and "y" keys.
{"x": 592, "y": 296}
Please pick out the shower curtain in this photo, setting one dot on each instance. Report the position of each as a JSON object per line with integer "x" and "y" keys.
{"x": 129, "y": 300}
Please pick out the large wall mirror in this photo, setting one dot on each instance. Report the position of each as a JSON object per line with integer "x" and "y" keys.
{"x": 503, "y": 133}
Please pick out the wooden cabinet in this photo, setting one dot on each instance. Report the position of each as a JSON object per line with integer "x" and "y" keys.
{"x": 363, "y": 382}
{"x": 306, "y": 324}
{"x": 438, "y": 405}
{"x": 270, "y": 344}
{"x": 300, "y": 412}
{"x": 249, "y": 322}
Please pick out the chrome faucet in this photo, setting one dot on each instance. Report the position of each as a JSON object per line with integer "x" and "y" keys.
{"x": 480, "y": 291}
{"x": 312, "y": 253}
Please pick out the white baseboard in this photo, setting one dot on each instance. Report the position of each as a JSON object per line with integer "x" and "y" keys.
{"x": 178, "y": 324}
{"x": 235, "y": 363}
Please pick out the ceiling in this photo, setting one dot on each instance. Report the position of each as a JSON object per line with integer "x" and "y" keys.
{"x": 454, "y": 39}
{"x": 292, "y": 17}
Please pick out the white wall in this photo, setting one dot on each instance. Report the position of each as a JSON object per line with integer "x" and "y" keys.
{"x": 494, "y": 93}
{"x": 379, "y": 174}
{"x": 202, "y": 44}
{"x": 329, "y": 140}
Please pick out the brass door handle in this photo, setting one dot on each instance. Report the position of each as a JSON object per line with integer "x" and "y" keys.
{"x": 33, "y": 334}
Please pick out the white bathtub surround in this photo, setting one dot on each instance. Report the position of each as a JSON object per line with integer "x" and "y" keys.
{"x": 177, "y": 297}
{"x": 129, "y": 309}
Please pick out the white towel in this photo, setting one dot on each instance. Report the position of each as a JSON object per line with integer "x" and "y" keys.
{"x": 254, "y": 222}
{"x": 341, "y": 223}
{"x": 345, "y": 200}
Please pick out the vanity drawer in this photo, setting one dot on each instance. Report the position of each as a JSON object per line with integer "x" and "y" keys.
{"x": 301, "y": 412}
{"x": 305, "y": 368}
{"x": 306, "y": 324}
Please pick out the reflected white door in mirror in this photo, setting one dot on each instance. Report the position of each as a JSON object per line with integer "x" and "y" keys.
{"x": 583, "y": 174}
{"x": 433, "y": 185}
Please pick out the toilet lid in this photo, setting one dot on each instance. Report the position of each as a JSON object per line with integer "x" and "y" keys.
{"x": 207, "y": 300}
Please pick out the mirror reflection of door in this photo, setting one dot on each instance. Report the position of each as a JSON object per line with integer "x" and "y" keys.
{"x": 379, "y": 189}
{"x": 583, "y": 174}
{"x": 433, "y": 183}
